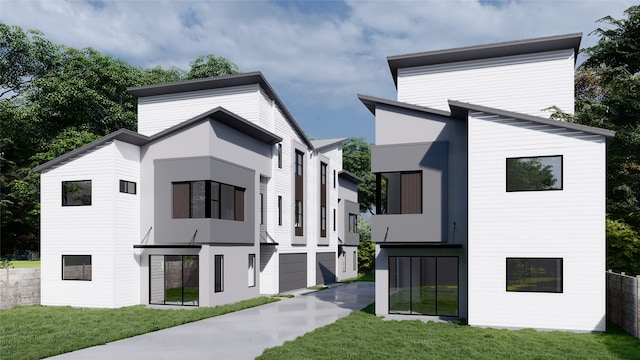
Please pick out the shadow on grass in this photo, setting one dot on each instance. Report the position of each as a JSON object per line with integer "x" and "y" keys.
{"x": 620, "y": 343}
{"x": 370, "y": 309}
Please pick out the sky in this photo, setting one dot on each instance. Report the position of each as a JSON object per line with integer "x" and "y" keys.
{"x": 317, "y": 55}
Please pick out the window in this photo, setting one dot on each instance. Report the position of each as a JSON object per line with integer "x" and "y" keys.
{"x": 208, "y": 199}
{"x": 174, "y": 280}
{"x": 261, "y": 209}
{"x": 280, "y": 210}
{"x": 76, "y": 267}
{"x": 334, "y": 179}
{"x": 403, "y": 192}
{"x": 127, "y": 187}
{"x": 323, "y": 221}
{"x": 334, "y": 219}
{"x": 323, "y": 199}
{"x": 323, "y": 173}
{"x": 534, "y": 173}
{"x": 298, "y": 223}
{"x": 353, "y": 223}
{"x": 76, "y": 193}
{"x": 219, "y": 273}
{"x": 252, "y": 270}
{"x": 279, "y": 155}
{"x": 299, "y": 162}
{"x": 344, "y": 262}
{"x": 355, "y": 261}
{"x": 534, "y": 275}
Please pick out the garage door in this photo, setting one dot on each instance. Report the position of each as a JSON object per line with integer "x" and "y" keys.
{"x": 293, "y": 271}
{"x": 325, "y": 268}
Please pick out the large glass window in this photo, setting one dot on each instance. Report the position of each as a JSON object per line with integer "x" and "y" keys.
{"x": 219, "y": 273}
{"x": 76, "y": 267}
{"x": 76, "y": 193}
{"x": 174, "y": 280}
{"x": 207, "y": 199}
{"x": 534, "y": 275}
{"x": 299, "y": 163}
{"x": 402, "y": 192}
{"x": 424, "y": 285}
{"x": 534, "y": 173}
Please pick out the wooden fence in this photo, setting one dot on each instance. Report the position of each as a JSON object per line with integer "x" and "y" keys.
{"x": 623, "y": 301}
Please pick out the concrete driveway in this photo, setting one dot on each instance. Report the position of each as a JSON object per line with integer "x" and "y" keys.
{"x": 240, "y": 335}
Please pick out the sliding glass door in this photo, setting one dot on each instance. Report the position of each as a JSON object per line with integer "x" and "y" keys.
{"x": 174, "y": 280}
{"x": 423, "y": 285}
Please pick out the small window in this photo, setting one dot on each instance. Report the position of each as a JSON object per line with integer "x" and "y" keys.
{"x": 299, "y": 163}
{"x": 534, "y": 173}
{"x": 298, "y": 223}
{"x": 334, "y": 179}
{"x": 355, "y": 261}
{"x": 252, "y": 270}
{"x": 534, "y": 275}
{"x": 76, "y": 193}
{"x": 323, "y": 219}
{"x": 219, "y": 273}
{"x": 344, "y": 262}
{"x": 76, "y": 267}
{"x": 323, "y": 173}
{"x": 279, "y": 155}
{"x": 280, "y": 210}
{"x": 353, "y": 223}
{"x": 261, "y": 209}
{"x": 127, "y": 187}
{"x": 334, "y": 219}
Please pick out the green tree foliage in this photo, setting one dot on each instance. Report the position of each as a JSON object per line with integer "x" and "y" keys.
{"x": 529, "y": 174}
{"x": 366, "y": 248}
{"x": 356, "y": 159}
{"x": 623, "y": 248}
{"x": 53, "y": 99}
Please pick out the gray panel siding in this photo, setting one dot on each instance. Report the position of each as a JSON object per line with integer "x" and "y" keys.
{"x": 169, "y": 230}
{"x": 293, "y": 271}
{"x": 325, "y": 268}
{"x": 350, "y": 238}
{"x": 432, "y": 224}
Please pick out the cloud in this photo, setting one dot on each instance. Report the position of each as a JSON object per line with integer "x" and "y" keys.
{"x": 317, "y": 55}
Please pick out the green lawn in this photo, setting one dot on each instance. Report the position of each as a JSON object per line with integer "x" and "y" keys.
{"x": 17, "y": 264}
{"x": 34, "y": 332}
{"x": 361, "y": 277}
{"x": 362, "y": 335}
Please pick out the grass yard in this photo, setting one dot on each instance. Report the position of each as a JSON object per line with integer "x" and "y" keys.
{"x": 18, "y": 264}
{"x": 35, "y": 332}
{"x": 361, "y": 277}
{"x": 362, "y": 335}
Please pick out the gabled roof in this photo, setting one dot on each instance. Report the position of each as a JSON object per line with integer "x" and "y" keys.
{"x": 459, "y": 110}
{"x": 350, "y": 177}
{"x": 218, "y": 114}
{"x": 325, "y": 143}
{"x": 218, "y": 82}
{"x": 502, "y": 49}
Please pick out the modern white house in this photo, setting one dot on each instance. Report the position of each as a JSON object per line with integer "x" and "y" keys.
{"x": 487, "y": 209}
{"x": 218, "y": 197}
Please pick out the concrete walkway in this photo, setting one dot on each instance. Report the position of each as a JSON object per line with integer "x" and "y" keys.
{"x": 240, "y": 335}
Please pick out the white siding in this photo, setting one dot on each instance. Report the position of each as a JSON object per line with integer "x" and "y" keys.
{"x": 542, "y": 80}
{"x": 157, "y": 113}
{"x": 567, "y": 224}
{"x": 91, "y": 230}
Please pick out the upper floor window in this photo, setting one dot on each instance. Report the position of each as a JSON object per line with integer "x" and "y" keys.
{"x": 353, "y": 223}
{"x": 334, "y": 178}
{"x": 299, "y": 162}
{"x": 208, "y": 199}
{"x": 76, "y": 193}
{"x": 323, "y": 173}
{"x": 279, "y": 155}
{"x": 298, "y": 214}
{"x": 402, "y": 192}
{"x": 534, "y": 173}
{"x": 127, "y": 187}
{"x": 534, "y": 275}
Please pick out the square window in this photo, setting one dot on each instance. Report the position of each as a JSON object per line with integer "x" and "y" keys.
{"x": 76, "y": 267}
{"x": 76, "y": 193}
{"x": 534, "y": 173}
{"x": 127, "y": 187}
{"x": 534, "y": 275}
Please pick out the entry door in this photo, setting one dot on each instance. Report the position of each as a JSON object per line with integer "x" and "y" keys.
{"x": 423, "y": 285}
{"x": 174, "y": 280}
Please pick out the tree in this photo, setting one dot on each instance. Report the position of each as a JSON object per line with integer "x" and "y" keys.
{"x": 211, "y": 65}
{"x": 356, "y": 158}
{"x": 623, "y": 248}
{"x": 529, "y": 174}
{"x": 366, "y": 248}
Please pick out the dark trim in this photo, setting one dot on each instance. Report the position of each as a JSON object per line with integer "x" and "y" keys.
{"x": 487, "y": 51}
{"x": 76, "y": 255}
{"x": 343, "y": 174}
{"x": 167, "y": 247}
{"x": 371, "y": 102}
{"x": 218, "y": 82}
{"x": 268, "y": 244}
{"x": 419, "y": 245}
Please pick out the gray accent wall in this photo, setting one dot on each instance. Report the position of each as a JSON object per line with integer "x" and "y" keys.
{"x": 181, "y": 231}
{"x": 346, "y": 207}
{"x": 432, "y": 224}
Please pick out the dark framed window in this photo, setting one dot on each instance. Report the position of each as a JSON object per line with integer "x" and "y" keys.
{"x": 353, "y": 223}
{"x": 534, "y": 275}
{"x": 403, "y": 191}
{"x": 207, "y": 199}
{"x": 323, "y": 173}
{"x": 76, "y": 267}
{"x": 252, "y": 270}
{"x": 76, "y": 193}
{"x": 323, "y": 221}
{"x": 536, "y": 173}
{"x": 355, "y": 260}
{"x": 299, "y": 163}
{"x": 279, "y": 155}
{"x": 219, "y": 273}
{"x": 280, "y": 210}
{"x": 334, "y": 178}
{"x": 261, "y": 209}
{"x": 334, "y": 219}
{"x": 174, "y": 280}
{"x": 298, "y": 214}
{"x": 127, "y": 187}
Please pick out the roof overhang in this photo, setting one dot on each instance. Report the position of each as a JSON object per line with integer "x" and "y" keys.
{"x": 322, "y": 144}
{"x": 421, "y": 245}
{"x": 350, "y": 177}
{"x": 371, "y": 102}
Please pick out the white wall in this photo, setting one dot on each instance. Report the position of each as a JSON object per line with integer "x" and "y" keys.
{"x": 543, "y": 79}
{"x": 568, "y": 224}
